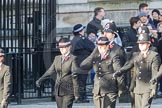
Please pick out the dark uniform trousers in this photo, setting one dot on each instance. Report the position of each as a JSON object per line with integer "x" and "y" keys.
{"x": 66, "y": 86}
{"x": 82, "y": 78}
{"x": 105, "y": 89}
{"x": 145, "y": 69}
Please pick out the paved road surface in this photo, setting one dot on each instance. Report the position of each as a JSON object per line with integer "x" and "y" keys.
{"x": 157, "y": 103}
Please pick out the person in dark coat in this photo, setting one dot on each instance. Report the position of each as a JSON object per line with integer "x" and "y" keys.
{"x": 5, "y": 81}
{"x": 159, "y": 27}
{"x": 160, "y": 39}
{"x": 146, "y": 65}
{"x": 94, "y": 26}
{"x": 160, "y": 17}
{"x": 131, "y": 34}
{"x": 66, "y": 86}
{"x": 105, "y": 89}
{"x": 81, "y": 48}
{"x": 155, "y": 15}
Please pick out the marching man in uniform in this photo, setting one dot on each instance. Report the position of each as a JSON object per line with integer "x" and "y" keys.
{"x": 146, "y": 65}
{"x": 105, "y": 89}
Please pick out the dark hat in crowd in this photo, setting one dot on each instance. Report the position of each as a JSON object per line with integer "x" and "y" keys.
{"x": 143, "y": 29}
{"x": 156, "y": 10}
{"x": 110, "y": 27}
{"x": 144, "y": 38}
{"x": 141, "y": 14}
{"x": 2, "y": 52}
{"x": 64, "y": 42}
{"x": 102, "y": 41}
{"x": 78, "y": 28}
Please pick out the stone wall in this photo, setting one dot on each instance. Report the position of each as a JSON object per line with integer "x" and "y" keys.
{"x": 71, "y": 12}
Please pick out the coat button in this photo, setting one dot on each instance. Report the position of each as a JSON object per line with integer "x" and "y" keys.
{"x": 99, "y": 68}
{"x": 99, "y": 63}
{"x": 139, "y": 78}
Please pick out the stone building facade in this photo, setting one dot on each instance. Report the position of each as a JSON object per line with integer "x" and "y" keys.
{"x": 70, "y": 12}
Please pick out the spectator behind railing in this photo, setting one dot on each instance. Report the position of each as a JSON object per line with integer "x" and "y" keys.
{"x": 155, "y": 15}
{"x": 94, "y": 26}
{"x": 131, "y": 34}
{"x": 159, "y": 28}
{"x": 143, "y": 7}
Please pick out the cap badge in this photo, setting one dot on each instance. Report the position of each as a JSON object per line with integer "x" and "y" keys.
{"x": 107, "y": 26}
{"x": 141, "y": 37}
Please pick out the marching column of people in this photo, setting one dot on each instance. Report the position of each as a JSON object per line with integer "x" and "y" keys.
{"x": 108, "y": 60}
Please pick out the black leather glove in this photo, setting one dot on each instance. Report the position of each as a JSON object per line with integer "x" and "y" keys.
{"x": 116, "y": 74}
{"x": 153, "y": 81}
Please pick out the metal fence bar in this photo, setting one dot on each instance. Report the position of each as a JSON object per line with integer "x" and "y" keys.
{"x": 24, "y": 30}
